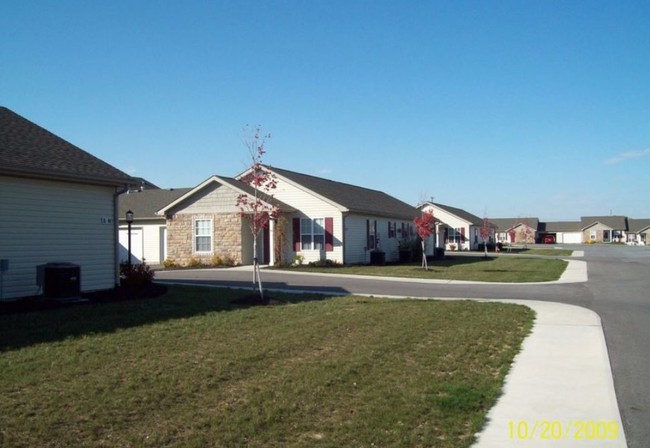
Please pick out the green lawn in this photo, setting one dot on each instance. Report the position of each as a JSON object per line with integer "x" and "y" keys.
{"x": 188, "y": 369}
{"x": 473, "y": 268}
{"x": 546, "y": 252}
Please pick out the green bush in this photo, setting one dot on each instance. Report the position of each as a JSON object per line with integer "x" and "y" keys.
{"x": 325, "y": 264}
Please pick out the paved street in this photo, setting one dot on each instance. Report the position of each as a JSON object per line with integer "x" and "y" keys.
{"x": 618, "y": 290}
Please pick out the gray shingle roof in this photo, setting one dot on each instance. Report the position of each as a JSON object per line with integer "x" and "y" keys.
{"x": 503, "y": 224}
{"x": 353, "y": 198}
{"x": 561, "y": 226}
{"x": 462, "y": 214}
{"x": 638, "y": 225}
{"x": 27, "y": 149}
{"x": 613, "y": 222}
{"x": 144, "y": 204}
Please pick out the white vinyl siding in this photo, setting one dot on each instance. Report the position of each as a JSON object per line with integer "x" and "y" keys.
{"x": 46, "y": 221}
{"x": 312, "y": 234}
{"x": 313, "y": 207}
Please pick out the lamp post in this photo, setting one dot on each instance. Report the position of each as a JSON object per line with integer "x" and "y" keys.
{"x": 129, "y": 221}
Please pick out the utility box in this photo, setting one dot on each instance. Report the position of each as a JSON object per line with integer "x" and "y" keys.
{"x": 60, "y": 280}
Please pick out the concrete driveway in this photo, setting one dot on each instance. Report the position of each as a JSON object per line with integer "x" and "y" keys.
{"x": 618, "y": 290}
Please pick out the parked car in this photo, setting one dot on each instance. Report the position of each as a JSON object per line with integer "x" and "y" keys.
{"x": 548, "y": 239}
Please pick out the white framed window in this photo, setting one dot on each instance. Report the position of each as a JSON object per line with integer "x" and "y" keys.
{"x": 312, "y": 234}
{"x": 203, "y": 236}
{"x": 453, "y": 236}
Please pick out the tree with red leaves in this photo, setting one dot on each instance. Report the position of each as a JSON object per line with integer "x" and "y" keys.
{"x": 425, "y": 226}
{"x": 258, "y": 209}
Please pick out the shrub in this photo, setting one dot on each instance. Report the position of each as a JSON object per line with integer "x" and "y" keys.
{"x": 194, "y": 263}
{"x": 136, "y": 275}
{"x": 169, "y": 263}
{"x": 325, "y": 264}
{"x": 228, "y": 260}
{"x": 217, "y": 260}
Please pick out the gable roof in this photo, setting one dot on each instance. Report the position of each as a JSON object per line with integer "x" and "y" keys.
{"x": 350, "y": 198}
{"x": 505, "y": 224}
{"x": 458, "y": 212}
{"x": 144, "y": 204}
{"x": 228, "y": 182}
{"x": 613, "y": 222}
{"x": 28, "y": 150}
{"x": 638, "y": 225}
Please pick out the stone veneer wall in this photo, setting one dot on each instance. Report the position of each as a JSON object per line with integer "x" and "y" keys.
{"x": 226, "y": 238}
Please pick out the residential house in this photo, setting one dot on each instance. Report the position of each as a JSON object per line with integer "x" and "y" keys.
{"x": 58, "y": 203}
{"x": 638, "y": 232}
{"x": 456, "y": 229}
{"x": 564, "y": 232}
{"x": 148, "y": 230}
{"x": 321, "y": 219}
{"x": 604, "y": 229}
{"x": 516, "y": 230}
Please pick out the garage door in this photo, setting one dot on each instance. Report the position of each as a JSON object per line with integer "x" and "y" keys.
{"x": 572, "y": 237}
{"x": 136, "y": 245}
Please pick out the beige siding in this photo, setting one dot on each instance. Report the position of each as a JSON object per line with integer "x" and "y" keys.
{"x": 46, "y": 221}
{"x": 356, "y": 250}
{"x": 213, "y": 197}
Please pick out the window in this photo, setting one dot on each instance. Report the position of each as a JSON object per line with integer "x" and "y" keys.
{"x": 371, "y": 233}
{"x": 203, "y": 235}
{"x": 312, "y": 234}
{"x": 392, "y": 229}
{"x": 453, "y": 236}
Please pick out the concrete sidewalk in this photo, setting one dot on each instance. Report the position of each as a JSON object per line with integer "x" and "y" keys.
{"x": 559, "y": 391}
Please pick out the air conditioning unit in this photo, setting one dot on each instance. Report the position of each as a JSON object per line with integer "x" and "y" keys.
{"x": 59, "y": 280}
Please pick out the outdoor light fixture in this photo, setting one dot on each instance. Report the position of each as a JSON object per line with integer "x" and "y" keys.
{"x": 129, "y": 221}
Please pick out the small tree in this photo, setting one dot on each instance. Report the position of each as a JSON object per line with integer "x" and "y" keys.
{"x": 425, "y": 226}
{"x": 258, "y": 212}
{"x": 485, "y": 234}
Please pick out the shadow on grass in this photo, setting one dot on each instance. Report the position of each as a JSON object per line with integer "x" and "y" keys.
{"x": 102, "y": 315}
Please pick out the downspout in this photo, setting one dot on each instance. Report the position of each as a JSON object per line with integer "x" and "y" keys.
{"x": 116, "y": 232}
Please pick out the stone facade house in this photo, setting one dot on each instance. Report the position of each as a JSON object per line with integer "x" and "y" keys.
{"x": 321, "y": 219}
{"x": 604, "y": 229}
{"x": 516, "y": 230}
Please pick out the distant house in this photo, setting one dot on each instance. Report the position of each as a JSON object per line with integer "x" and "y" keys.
{"x": 148, "y": 230}
{"x": 604, "y": 229}
{"x": 638, "y": 231}
{"x": 58, "y": 203}
{"x": 457, "y": 228}
{"x": 516, "y": 230}
{"x": 564, "y": 232}
{"x": 321, "y": 219}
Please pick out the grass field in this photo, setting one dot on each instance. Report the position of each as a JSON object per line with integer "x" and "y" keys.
{"x": 189, "y": 369}
{"x": 472, "y": 268}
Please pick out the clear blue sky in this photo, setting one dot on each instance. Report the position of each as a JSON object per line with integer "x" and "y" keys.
{"x": 504, "y": 108}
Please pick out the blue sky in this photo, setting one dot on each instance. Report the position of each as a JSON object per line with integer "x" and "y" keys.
{"x": 502, "y": 108}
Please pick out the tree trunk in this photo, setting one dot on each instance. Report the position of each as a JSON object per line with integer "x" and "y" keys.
{"x": 425, "y": 266}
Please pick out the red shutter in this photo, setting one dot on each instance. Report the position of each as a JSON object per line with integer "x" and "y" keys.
{"x": 462, "y": 234}
{"x": 296, "y": 234}
{"x": 329, "y": 234}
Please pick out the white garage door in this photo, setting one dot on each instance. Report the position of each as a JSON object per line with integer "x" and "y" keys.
{"x": 572, "y": 237}
{"x": 136, "y": 245}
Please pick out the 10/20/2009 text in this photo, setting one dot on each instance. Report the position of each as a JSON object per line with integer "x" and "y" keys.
{"x": 557, "y": 430}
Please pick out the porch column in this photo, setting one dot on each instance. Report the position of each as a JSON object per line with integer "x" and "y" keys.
{"x": 271, "y": 242}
